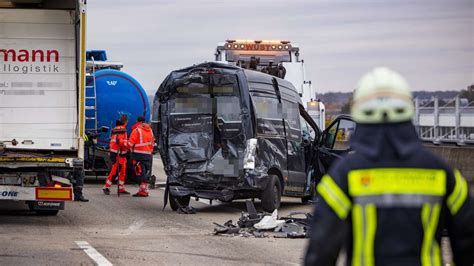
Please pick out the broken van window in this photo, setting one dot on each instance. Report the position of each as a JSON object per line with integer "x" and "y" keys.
{"x": 215, "y": 84}
{"x": 191, "y": 105}
{"x": 228, "y": 108}
{"x": 269, "y": 116}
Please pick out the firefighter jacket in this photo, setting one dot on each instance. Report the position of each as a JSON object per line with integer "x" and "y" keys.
{"x": 118, "y": 140}
{"x": 137, "y": 124}
{"x": 142, "y": 140}
{"x": 388, "y": 203}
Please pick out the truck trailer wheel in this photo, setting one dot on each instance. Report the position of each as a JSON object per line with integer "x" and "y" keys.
{"x": 178, "y": 202}
{"x": 271, "y": 195}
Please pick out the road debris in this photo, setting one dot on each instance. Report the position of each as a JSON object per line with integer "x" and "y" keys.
{"x": 254, "y": 224}
{"x": 186, "y": 210}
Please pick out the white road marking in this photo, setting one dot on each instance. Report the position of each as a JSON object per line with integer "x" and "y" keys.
{"x": 93, "y": 254}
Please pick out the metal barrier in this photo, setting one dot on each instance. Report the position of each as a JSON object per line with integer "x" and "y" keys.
{"x": 451, "y": 123}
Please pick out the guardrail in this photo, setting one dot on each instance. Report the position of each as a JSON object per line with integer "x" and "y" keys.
{"x": 451, "y": 123}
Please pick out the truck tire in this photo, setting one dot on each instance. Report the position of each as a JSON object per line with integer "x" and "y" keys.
{"x": 177, "y": 202}
{"x": 271, "y": 195}
{"x": 47, "y": 212}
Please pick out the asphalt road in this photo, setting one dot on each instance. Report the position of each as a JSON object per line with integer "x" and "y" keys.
{"x": 127, "y": 230}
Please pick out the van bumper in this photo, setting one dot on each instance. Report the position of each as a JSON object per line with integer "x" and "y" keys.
{"x": 248, "y": 186}
{"x": 222, "y": 195}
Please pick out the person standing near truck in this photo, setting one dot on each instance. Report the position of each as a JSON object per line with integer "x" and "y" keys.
{"x": 141, "y": 145}
{"x": 78, "y": 185}
{"x": 389, "y": 201}
{"x": 118, "y": 155}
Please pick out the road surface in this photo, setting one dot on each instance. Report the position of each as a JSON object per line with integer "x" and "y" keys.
{"x": 126, "y": 230}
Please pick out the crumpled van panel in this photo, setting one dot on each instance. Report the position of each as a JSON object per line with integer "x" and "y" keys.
{"x": 203, "y": 128}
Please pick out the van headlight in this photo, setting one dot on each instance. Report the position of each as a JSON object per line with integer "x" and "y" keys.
{"x": 249, "y": 156}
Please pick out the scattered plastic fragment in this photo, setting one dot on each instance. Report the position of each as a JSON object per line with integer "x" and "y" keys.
{"x": 269, "y": 222}
{"x": 259, "y": 225}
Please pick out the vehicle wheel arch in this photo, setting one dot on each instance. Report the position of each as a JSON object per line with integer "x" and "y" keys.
{"x": 276, "y": 171}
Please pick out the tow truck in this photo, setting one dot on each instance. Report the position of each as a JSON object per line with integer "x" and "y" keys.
{"x": 278, "y": 58}
{"x": 42, "y": 80}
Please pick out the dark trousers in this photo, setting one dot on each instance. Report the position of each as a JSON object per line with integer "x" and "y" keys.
{"x": 78, "y": 185}
{"x": 142, "y": 167}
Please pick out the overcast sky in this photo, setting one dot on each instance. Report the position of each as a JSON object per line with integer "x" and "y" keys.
{"x": 430, "y": 42}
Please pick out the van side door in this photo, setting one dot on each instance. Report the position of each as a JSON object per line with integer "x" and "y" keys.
{"x": 296, "y": 151}
{"x": 271, "y": 145}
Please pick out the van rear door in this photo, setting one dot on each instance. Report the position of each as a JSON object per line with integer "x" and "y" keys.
{"x": 205, "y": 125}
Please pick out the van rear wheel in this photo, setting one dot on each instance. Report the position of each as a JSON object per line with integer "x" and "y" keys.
{"x": 271, "y": 195}
{"x": 178, "y": 202}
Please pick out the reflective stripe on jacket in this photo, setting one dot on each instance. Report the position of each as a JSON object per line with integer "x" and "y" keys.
{"x": 390, "y": 207}
{"x": 142, "y": 139}
{"x": 118, "y": 140}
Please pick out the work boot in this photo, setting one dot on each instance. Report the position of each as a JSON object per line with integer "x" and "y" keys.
{"x": 106, "y": 191}
{"x": 81, "y": 198}
{"x": 142, "y": 194}
{"x": 124, "y": 192}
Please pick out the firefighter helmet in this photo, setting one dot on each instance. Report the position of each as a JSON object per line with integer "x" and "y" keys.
{"x": 382, "y": 96}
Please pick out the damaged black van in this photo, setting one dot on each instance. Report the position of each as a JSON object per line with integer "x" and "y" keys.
{"x": 228, "y": 133}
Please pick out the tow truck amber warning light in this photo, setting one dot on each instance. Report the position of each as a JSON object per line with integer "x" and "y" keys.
{"x": 257, "y": 45}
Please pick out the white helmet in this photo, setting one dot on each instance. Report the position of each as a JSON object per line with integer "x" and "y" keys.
{"x": 382, "y": 96}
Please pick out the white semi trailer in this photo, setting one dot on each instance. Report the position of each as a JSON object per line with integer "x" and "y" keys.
{"x": 42, "y": 76}
{"x": 275, "y": 57}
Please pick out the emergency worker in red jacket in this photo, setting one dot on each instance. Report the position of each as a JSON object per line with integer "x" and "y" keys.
{"x": 118, "y": 152}
{"x": 141, "y": 146}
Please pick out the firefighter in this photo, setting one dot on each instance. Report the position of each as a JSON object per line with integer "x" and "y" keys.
{"x": 141, "y": 144}
{"x": 388, "y": 202}
{"x": 118, "y": 152}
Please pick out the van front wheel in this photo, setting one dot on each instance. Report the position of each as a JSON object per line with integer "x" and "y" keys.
{"x": 271, "y": 195}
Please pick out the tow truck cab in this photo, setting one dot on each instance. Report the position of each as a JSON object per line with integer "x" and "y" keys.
{"x": 279, "y": 58}
{"x": 228, "y": 133}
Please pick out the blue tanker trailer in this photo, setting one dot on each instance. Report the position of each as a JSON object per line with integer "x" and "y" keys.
{"x": 110, "y": 93}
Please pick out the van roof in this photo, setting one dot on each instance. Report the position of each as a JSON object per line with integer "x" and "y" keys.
{"x": 288, "y": 91}
{"x": 207, "y": 65}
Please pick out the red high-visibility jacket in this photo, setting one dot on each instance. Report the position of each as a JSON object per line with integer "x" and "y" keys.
{"x": 118, "y": 140}
{"x": 142, "y": 139}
